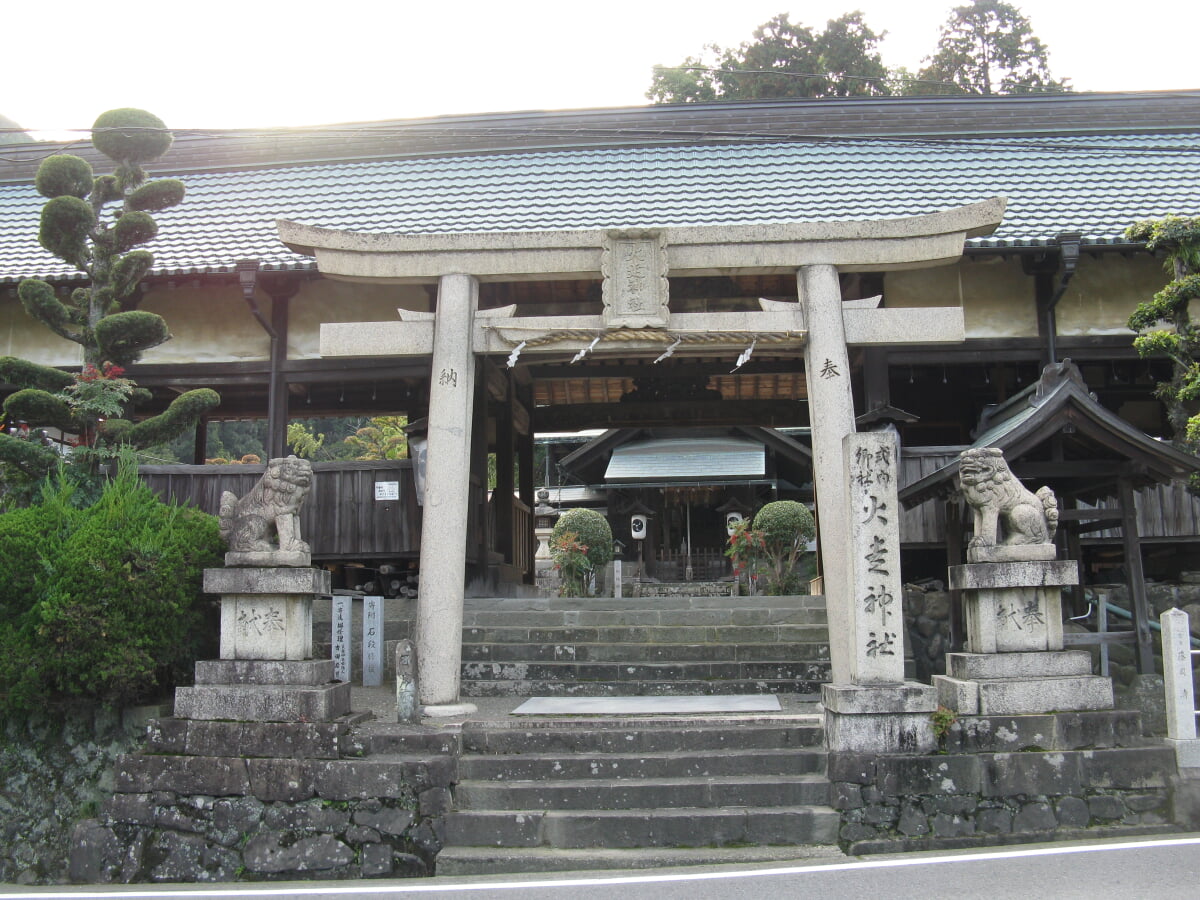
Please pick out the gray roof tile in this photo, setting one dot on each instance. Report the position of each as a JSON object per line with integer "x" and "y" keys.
{"x": 1094, "y": 184}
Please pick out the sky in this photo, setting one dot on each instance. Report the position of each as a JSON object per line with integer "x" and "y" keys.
{"x": 261, "y": 63}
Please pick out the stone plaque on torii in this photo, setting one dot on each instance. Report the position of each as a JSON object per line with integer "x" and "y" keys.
{"x": 636, "y": 319}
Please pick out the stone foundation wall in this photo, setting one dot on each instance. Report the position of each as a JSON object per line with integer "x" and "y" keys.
{"x": 230, "y": 801}
{"x": 55, "y": 768}
{"x": 927, "y": 625}
{"x": 962, "y": 800}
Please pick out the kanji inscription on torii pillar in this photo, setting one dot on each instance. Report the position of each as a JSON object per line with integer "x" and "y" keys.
{"x": 874, "y": 563}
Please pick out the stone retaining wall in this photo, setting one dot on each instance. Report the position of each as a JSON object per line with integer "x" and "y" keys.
{"x": 232, "y": 801}
{"x": 973, "y": 798}
{"x": 927, "y": 623}
{"x": 56, "y": 767}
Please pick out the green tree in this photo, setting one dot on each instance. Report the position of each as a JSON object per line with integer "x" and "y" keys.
{"x": 986, "y": 47}
{"x": 783, "y": 529}
{"x": 79, "y": 227}
{"x": 784, "y": 59}
{"x": 383, "y": 438}
{"x": 1164, "y": 323}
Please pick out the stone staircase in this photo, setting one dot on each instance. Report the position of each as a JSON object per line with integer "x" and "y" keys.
{"x": 559, "y": 795}
{"x": 648, "y": 646}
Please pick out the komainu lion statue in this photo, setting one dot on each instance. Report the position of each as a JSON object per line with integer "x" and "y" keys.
{"x": 271, "y": 509}
{"x": 1002, "y": 504}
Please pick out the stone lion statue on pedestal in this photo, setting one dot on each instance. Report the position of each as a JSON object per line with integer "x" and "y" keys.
{"x": 263, "y": 528}
{"x": 1011, "y": 523}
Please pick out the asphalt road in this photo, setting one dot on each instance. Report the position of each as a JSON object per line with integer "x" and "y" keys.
{"x": 1131, "y": 870}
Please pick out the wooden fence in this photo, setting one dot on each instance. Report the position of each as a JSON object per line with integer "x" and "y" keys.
{"x": 341, "y": 518}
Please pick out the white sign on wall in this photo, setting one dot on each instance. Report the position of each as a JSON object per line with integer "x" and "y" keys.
{"x": 387, "y": 490}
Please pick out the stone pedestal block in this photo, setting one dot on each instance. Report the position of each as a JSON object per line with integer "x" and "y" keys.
{"x": 264, "y": 702}
{"x": 266, "y": 613}
{"x": 1013, "y": 606}
{"x": 266, "y": 626}
{"x": 252, "y": 671}
{"x": 267, "y": 580}
{"x": 1000, "y": 684}
{"x": 895, "y": 718}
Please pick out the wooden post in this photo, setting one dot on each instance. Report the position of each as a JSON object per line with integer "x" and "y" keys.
{"x": 502, "y": 497}
{"x": 277, "y": 393}
{"x": 1136, "y": 577}
{"x": 200, "y": 446}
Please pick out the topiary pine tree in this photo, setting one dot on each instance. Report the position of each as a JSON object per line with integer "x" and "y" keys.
{"x": 1164, "y": 323}
{"x": 80, "y": 227}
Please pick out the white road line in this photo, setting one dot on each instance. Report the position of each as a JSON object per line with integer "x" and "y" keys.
{"x": 415, "y": 886}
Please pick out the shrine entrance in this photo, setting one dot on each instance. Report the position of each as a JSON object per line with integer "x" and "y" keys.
{"x": 482, "y": 354}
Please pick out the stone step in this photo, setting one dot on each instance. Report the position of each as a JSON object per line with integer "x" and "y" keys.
{"x": 642, "y": 652}
{"x": 643, "y": 793}
{"x": 570, "y": 688}
{"x": 388, "y": 738}
{"x": 794, "y": 733}
{"x": 568, "y": 604}
{"x": 649, "y": 827}
{"x": 512, "y": 860}
{"x": 644, "y": 617}
{"x": 622, "y": 766}
{"x": 814, "y": 671}
{"x": 657, "y": 634}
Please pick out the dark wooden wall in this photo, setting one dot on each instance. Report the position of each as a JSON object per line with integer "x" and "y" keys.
{"x": 1165, "y": 512}
{"x": 341, "y": 519}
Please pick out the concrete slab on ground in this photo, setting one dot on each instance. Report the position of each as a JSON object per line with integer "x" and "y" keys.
{"x": 634, "y": 706}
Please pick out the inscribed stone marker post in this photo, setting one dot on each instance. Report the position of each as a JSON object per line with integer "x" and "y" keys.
{"x": 874, "y": 565}
{"x": 372, "y": 646}
{"x": 1177, "y": 675}
{"x": 343, "y": 608}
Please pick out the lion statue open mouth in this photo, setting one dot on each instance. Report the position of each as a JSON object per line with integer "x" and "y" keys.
{"x": 270, "y": 510}
{"x": 1006, "y": 513}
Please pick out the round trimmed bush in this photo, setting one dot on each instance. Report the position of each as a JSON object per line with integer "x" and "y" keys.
{"x": 131, "y": 136}
{"x": 782, "y": 523}
{"x": 66, "y": 223}
{"x": 64, "y": 175}
{"x": 157, "y": 195}
{"x": 593, "y": 531}
{"x": 134, "y": 228}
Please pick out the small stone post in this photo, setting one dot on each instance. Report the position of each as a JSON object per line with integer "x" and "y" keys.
{"x": 408, "y": 704}
{"x": 340, "y": 639}
{"x": 1177, "y": 675}
{"x": 372, "y": 644}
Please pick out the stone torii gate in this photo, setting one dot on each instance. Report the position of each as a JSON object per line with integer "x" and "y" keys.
{"x": 634, "y": 265}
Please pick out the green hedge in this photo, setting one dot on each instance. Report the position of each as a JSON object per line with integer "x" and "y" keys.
{"x": 103, "y": 602}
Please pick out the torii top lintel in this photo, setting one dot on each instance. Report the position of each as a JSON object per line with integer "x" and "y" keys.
{"x": 867, "y": 245}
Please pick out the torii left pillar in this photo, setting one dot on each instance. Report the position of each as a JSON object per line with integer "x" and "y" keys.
{"x": 447, "y": 498}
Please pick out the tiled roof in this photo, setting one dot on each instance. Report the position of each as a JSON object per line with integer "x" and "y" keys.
{"x": 1093, "y": 184}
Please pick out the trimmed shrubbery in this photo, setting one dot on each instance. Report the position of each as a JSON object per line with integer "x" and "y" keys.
{"x": 776, "y": 541}
{"x": 102, "y": 602}
{"x": 580, "y": 543}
